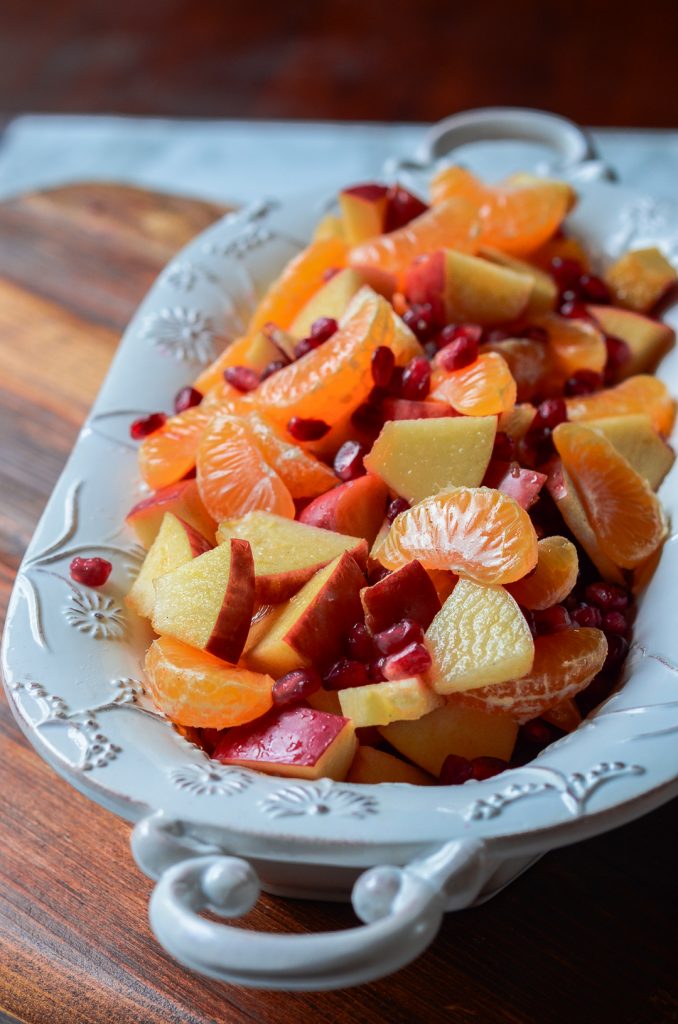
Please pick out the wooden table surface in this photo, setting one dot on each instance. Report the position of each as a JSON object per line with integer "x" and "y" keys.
{"x": 587, "y": 935}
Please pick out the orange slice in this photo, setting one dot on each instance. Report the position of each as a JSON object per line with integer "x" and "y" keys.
{"x": 233, "y": 476}
{"x": 300, "y": 279}
{"x": 531, "y": 365}
{"x": 234, "y": 355}
{"x": 476, "y": 532}
{"x": 564, "y": 663}
{"x": 303, "y": 474}
{"x": 451, "y": 225}
{"x": 623, "y": 511}
{"x": 168, "y": 454}
{"x": 554, "y": 577}
{"x": 194, "y": 688}
{"x": 483, "y": 388}
{"x": 574, "y": 344}
{"x": 639, "y": 394}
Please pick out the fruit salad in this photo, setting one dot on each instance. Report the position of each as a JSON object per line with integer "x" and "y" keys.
{"x": 396, "y": 531}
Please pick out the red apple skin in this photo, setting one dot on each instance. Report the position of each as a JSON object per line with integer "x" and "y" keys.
{"x": 523, "y": 485}
{"x": 277, "y": 587}
{"x": 182, "y": 499}
{"x": 355, "y": 508}
{"x": 319, "y": 633}
{"x": 232, "y": 625}
{"x": 407, "y": 593}
{"x": 405, "y": 409}
{"x": 371, "y": 192}
{"x": 197, "y": 543}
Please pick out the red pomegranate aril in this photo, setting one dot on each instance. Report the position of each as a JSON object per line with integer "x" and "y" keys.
{"x": 607, "y": 596}
{"x": 375, "y": 670}
{"x": 504, "y": 448}
{"x": 539, "y": 334}
{"x": 359, "y": 644}
{"x": 617, "y": 649}
{"x": 345, "y": 674}
{"x": 306, "y": 345}
{"x": 487, "y": 767}
{"x": 583, "y": 382}
{"x": 393, "y": 639}
{"x": 141, "y": 428}
{"x": 566, "y": 272}
{"x": 416, "y": 379}
{"x": 273, "y": 367}
{"x": 615, "y": 622}
{"x": 395, "y": 507}
{"x": 587, "y": 615}
{"x": 383, "y": 363}
{"x": 186, "y": 398}
{"x": 593, "y": 289}
{"x": 244, "y": 378}
{"x": 395, "y": 385}
{"x": 552, "y": 620}
{"x": 295, "y": 686}
{"x": 323, "y": 328}
{"x": 453, "y": 332}
{"x": 457, "y": 354}
{"x": 307, "y": 429}
{"x": 402, "y": 207}
{"x": 421, "y": 320}
{"x": 410, "y": 661}
{"x": 573, "y": 310}
{"x": 455, "y": 770}
{"x": 550, "y": 413}
{"x": 368, "y": 419}
{"x": 93, "y": 572}
{"x": 538, "y": 733}
{"x": 348, "y": 462}
{"x": 528, "y": 615}
{"x": 618, "y": 353}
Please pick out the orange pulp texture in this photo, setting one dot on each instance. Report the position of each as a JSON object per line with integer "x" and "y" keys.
{"x": 166, "y": 455}
{"x": 640, "y": 394}
{"x": 554, "y": 577}
{"x": 483, "y": 388}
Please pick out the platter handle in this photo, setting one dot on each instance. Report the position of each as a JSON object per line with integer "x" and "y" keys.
{"x": 401, "y": 907}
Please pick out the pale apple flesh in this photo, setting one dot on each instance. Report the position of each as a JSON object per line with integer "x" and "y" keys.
{"x": 394, "y": 701}
{"x": 176, "y": 543}
{"x": 639, "y": 279}
{"x": 544, "y": 289}
{"x": 371, "y": 766}
{"x": 635, "y": 438}
{"x": 363, "y": 211}
{"x": 647, "y": 339}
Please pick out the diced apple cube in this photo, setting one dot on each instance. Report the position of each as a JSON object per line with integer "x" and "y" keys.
{"x": 479, "y": 637}
{"x": 647, "y": 339}
{"x": 634, "y": 437}
{"x": 363, "y": 210}
{"x": 407, "y": 593}
{"x": 182, "y": 499}
{"x": 355, "y": 508}
{"x": 175, "y": 544}
{"x": 330, "y": 300}
{"x": 394, "y": 701}
{"x": 418, "y": 458}
{"x": 523, "y": 485}
{"x": 639, "y": 279}
{"x": 544, "y": 290}
{"x": 372, "y": 766}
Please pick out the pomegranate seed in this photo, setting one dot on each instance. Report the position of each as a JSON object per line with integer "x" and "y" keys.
{"x": 395, "y": 507}
{"x": 617, "y": 649}
{"x": 323, "y": 328}
{"x": 93, "y": 572}
{"x": 393, "y": 639}
{"x": 552, "y": 620}
{"x": 395, "y": 385}
{"x": 618, "y": 353}
{"x": 244, "y": 378}
{"x": 537, "y": 446}
{"x": 566, "y": 272}
{"x": 587, "y": 615}
{"x": 330, "y": 273}
{"x": 186, "y": 398}
{"x": 593, "y": 289}
{"x": 421, "y": 320}
{"x": 573, "y": 310}
{"x": 539, "y": 334}
{"x": 273, "y": 367}
{"x": 383, "y": 362}
{"x": 295, "y": 686}
{"x": 307, "y": 429}
{"x": 417, "y": 379}
{"x": 583, "y": 382}
{"x": 458, "y": 353}
{"x": 607, "y": 596}
{"x": 550, "y": 413}
{"x": 455, "y": 770}
{"x": 345, "y": 674}
{"x": 615, "y": 622}
{"x": 147, "y": 425}
{"x": 402, "y": 207}
{"x": 487, "y": 767}
{"x": 504, "y": 447}
{"x": 538, "y": 732}
{"x": 410, "y": 661}
{"x": 306, "y": 345}
{"x": 368, "y": 419}
{"x": 376, "y": 670}
{"x": 348, "y": 462}
{"x": 359, "y": 643}
{"x": 453, "y": 332}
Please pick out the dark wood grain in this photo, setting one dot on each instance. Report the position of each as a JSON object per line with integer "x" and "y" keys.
{"x": 605, "y": 62}
{"x": 587, "y": 935}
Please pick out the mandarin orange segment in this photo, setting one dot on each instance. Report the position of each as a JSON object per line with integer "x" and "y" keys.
{"x": 639, "y": 394}
{"x": 299, "y": 280}
{"x": 574, "y": 344}
{"x": 168, "y": 454}
{"x": 303, "y": 474}
{"x": 484, "y": 388}
{"x": 516, "y": 217}
{"x": 554, "y": 577}
{"x": 476, "y": 532}
{"x": 233, "y": 476}
{"x": 452, "y": 224}
{"x": 329, "y": 382}
{"x": 531, "y": 365}
{"x": 565, "y": 715}
{"x": 564, "y": 663}
{"x": 193, "y": 688}
{"x": 624, "y": 512}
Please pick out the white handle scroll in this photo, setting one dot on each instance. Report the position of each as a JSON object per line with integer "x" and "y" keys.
{"x": 402, "y": 909}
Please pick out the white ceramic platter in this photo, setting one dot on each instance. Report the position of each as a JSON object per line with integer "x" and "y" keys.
{"x": 72, "y": 663}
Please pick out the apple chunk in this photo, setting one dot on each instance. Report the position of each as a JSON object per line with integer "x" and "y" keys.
{"x": 523, "y": 485}
{"x": 355, "y": 508}
{"x": 634, "y": 437}
{"x": 544, "y": 290}
{"x": 330, "y": 300}
{"x": 418, "y": 458}
{"x": 176, "y": 544}
{"x": 371, "y": 766}
{"x": 182, "y": 499}
{"x": 363, "y": 209}
{"x": 639, "y": 279}
{"x": 395, "y": 701}
{"x": 301, "y": 742}
{"x": 208, "y": 602}
{"x": 311, "y": 626}
{"x": 287, "y": 553}
{"x": 479, "y": 637}
{"x": 407, "y": 593}
{"x": 647, "y": 339}
{"x": 452, "y": 729}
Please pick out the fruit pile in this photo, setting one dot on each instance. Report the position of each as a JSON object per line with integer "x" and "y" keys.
{"x": 397, "y": 529}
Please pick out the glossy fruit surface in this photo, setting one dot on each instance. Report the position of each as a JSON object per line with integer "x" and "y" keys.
{"x": 483, "y": 388}
{"x": 554, "y": 577}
